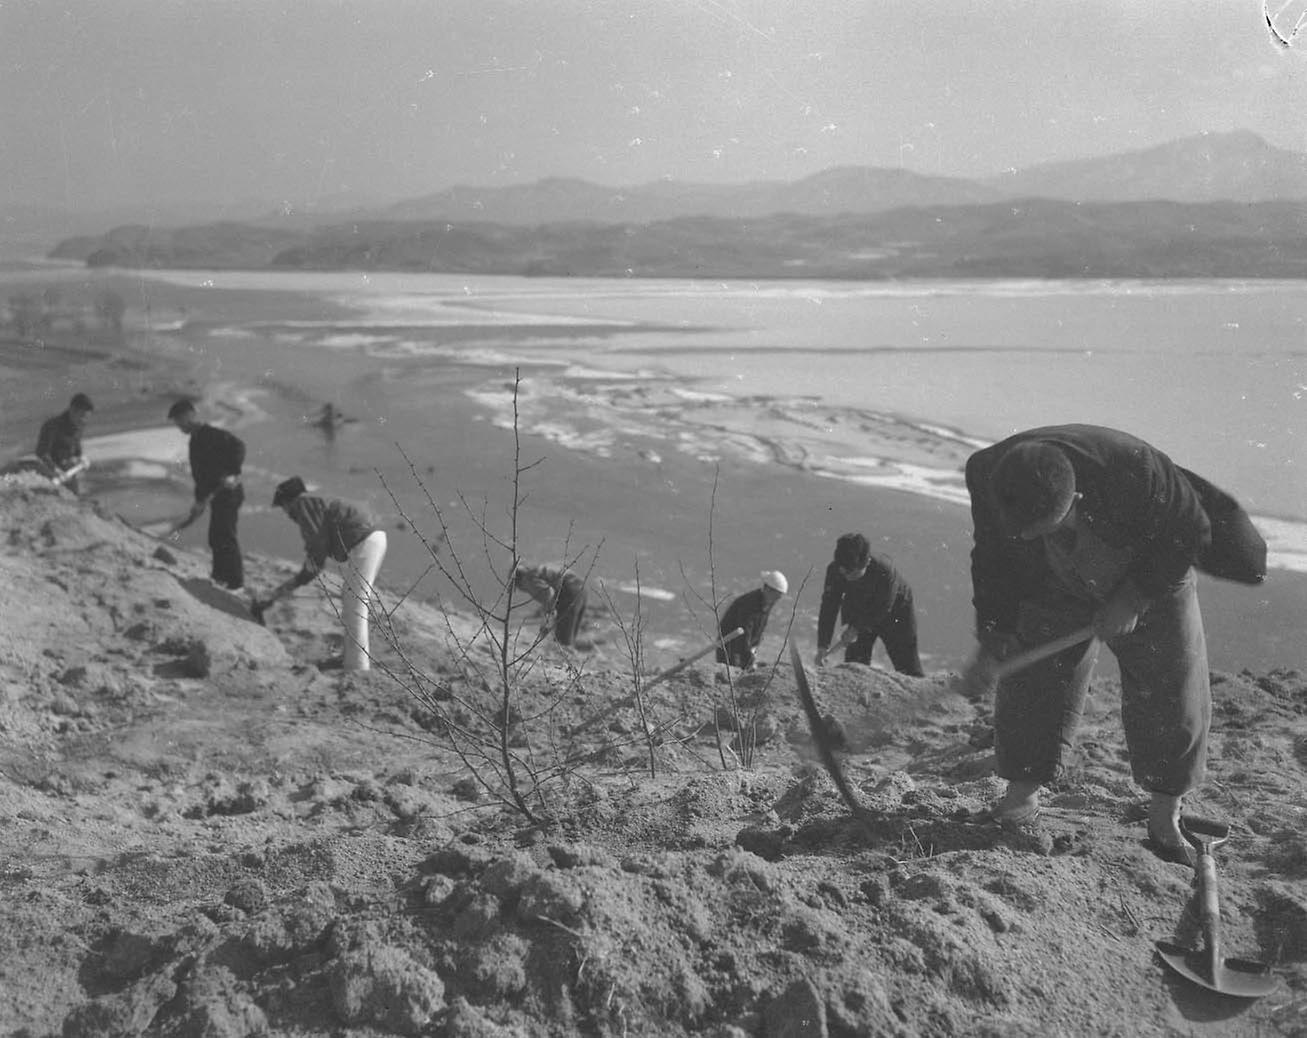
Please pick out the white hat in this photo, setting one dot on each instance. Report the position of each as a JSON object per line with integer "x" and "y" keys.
{"x": 774, "y": 578}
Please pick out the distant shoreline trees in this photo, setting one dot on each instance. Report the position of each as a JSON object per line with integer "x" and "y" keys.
{"x": 31, "y": 316}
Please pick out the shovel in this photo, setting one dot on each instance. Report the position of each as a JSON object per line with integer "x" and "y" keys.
{"x": 846, "y": 636}
{"x": 1238, "y": 978}
{"x": 649, "y": 682}
{"x": 672, "y": 671}
{"x": 983, "y": 673}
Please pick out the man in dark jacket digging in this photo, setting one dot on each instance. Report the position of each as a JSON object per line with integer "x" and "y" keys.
{"x": 560, "y": 593}
{"x": 216, "y": 457}
{"x": 874, "y": 601}
{"x": 1079, "y": 525}
{"x": 59, "y": 445}
{"x": 750, "y": 612}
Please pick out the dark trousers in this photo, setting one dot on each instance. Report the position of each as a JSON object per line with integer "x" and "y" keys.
{"x": 1166, "y": 705}
{"x": 228, "y": 569}
{"x": 568, "y": 611}
{"x": 898, "y": 632}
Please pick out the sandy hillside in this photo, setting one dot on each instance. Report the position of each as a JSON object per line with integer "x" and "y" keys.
{"x": 210, "y": 830}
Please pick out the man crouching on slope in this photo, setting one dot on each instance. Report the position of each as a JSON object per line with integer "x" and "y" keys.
{"x": 1078, "y": 525}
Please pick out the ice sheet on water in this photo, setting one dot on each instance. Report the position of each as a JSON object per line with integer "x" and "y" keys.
{"x": 605, "y": 418}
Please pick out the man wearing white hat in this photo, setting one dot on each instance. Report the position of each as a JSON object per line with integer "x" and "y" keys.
{"x": 750, "y": 611}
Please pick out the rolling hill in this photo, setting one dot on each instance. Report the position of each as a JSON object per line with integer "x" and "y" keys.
{"x": 1032, "y": 238}
{"x": 1216, "y": 205}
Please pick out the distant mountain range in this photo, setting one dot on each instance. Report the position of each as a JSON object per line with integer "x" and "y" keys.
{"x": 1213, "y": 167}
{"x": 855, "y": 189}
{"x": 1213, "y": 205}
{"x": 1236, "y": 167}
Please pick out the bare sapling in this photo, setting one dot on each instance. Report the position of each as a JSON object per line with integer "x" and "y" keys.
{"x": 744, "y": 720}
{"x": 654, "y": 732}
{"x": 713, "y": 605}
{"x": 476, "y": 694}
{"x": 632, "y": 632}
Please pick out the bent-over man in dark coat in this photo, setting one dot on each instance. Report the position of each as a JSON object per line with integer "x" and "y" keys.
{"x": 560, "y": 593}
{"x": 1078, "y": 525}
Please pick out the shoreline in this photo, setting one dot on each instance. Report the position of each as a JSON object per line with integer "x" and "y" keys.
{"x": 928, "y": 540}
{"x": 131, "y": 390}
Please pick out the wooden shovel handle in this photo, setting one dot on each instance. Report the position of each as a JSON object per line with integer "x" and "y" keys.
{"x": 1206, "y": 869}
{"x": 626, "y": 701}
{"x": 664, "y": 675}
{"x": 1022, "y": 660}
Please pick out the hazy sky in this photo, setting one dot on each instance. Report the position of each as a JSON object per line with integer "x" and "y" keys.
{"x": 104, "y": 102}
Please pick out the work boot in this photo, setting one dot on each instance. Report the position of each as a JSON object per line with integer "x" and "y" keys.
{"x": 1020, "y": 803}
{"x": 1017, "y": 814}
{"x": 1164, "y": 834}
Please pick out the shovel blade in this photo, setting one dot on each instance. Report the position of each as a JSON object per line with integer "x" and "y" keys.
{"x": 1237, "y": 978}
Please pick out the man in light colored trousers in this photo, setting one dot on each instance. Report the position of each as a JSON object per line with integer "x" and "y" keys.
{"x": 343, "y": 532}
{"x": 360, "y": 574}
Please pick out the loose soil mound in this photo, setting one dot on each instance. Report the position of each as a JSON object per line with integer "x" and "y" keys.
{"x": 209, "y": 829}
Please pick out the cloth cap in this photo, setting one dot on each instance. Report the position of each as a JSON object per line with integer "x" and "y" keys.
{"x": 852, "y": 551}
{"x": 181, "y": 407}
{"x": 287, "y": 491}
{"x": 81, "y": 402}
{"x": 1032, "y": 483}
{"x": 774, "y": 578}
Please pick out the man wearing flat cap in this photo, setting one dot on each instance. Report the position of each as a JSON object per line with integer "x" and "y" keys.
{"x": 1079, "y": 525}
{"x": 340, "y": 531}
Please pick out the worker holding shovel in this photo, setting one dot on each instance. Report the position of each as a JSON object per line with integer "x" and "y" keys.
{"x": 750, "y": 612}
{"x": 1079, "y": 526}
{"x": 866, "y": 592}
{"x": 216, "y": 457}
{"x": 59, "y": 445}
{"x": 343, "y": 532}
{"x": 560, "y": 592}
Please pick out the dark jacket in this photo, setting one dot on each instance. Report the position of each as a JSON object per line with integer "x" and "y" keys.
{"x": 749, "y": 611}
{"x": 329, "y": 528}
{"x": 215, "y": 454}
{"x": 546, "y": 583}
{"x": 1134, "y": 497}
{"x": 864, "y": 604}
{"x": 60, "y": 441}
